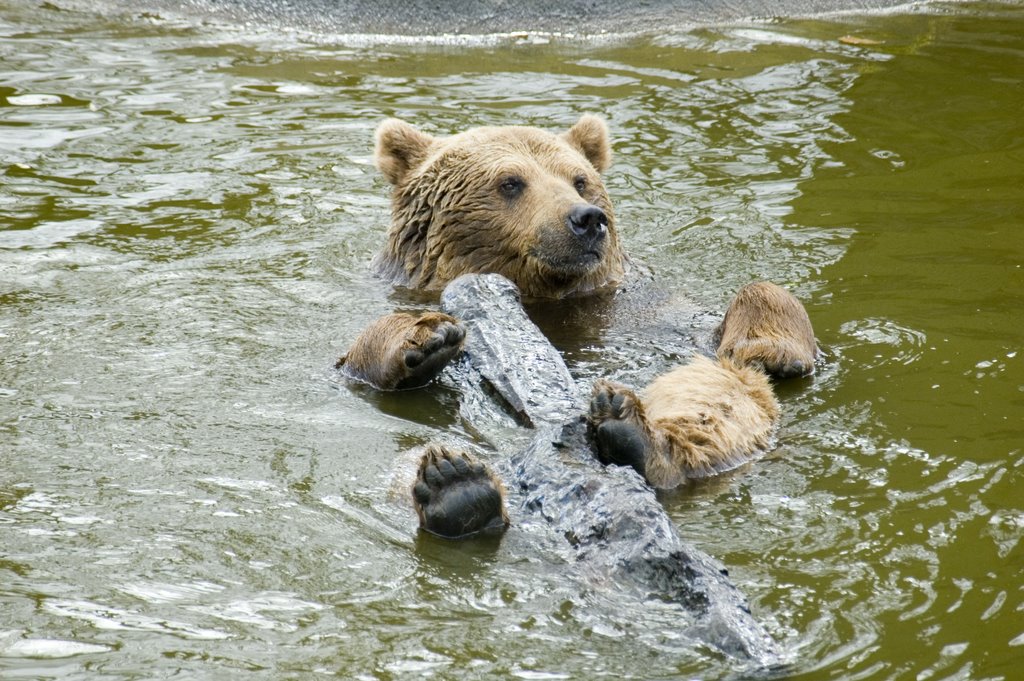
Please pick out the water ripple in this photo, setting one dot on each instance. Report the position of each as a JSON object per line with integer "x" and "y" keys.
{"x": 104, "y": 617}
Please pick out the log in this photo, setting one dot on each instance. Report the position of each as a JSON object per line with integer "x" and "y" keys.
{"x": 616, "y": 531}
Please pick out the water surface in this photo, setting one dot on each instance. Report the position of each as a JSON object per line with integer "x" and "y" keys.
{"x": 187, "y": 216}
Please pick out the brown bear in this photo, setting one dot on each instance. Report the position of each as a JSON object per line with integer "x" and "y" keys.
{"x": 531, "y": 206}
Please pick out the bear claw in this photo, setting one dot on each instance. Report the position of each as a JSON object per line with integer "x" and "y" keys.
{"x": 795, "y": 369}
{"x": 456, "y": 496}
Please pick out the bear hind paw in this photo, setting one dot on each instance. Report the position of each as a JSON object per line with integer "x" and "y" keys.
{"x": 456, "y": 496}
{"x": 617, "y": 426}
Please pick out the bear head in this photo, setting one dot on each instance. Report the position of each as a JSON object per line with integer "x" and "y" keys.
{"x": 516, "y": 201}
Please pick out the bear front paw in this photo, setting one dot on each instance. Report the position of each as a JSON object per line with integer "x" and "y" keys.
{"x": 402, "y": 350}
{"x": 456, "y": 496}
{"x": 617, "y": 426}
{"x": 425, "y": 358}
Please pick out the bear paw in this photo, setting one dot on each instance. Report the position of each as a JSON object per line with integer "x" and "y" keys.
{"x": 617, "y": 426}
{"x": 789, "y": 367}
{"x": 775, "y": 357}
{"x": 766, "y": 327}
{"x": 427, "y": 355}
{"x": 402, "y": 350}
{"x": 456, "y": 496}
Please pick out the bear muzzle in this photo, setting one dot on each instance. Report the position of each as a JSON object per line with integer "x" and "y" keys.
{"x": 577, "y": 246}
{"x": 588, "y": 223}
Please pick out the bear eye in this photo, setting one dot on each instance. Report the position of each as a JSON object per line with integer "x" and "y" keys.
{"x": 580, "y": 183}
{"x": 512, "y": 186}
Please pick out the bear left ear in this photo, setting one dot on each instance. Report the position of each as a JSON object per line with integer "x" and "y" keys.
{"x": 590, "y": 137}
{"x": 400, "y": 148}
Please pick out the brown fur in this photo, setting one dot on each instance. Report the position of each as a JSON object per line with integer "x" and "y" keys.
{"x": 697, "y": 420}
{"x": 452, "y": 211}
{"x": 381, "y": 355}
{"x": 766, "y": 326}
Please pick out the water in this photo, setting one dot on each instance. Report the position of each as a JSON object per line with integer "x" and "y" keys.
{"x": 188, "y": 215}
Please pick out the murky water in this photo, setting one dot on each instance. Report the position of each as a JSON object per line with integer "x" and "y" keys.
{"x": 188, "y": 214}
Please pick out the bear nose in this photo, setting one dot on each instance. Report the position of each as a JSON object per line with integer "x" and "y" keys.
{"x": 588, "y": 222}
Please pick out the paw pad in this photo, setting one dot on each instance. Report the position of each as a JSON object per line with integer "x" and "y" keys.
{"x": 616, "y": 429}
{"x": 456, "y": 496}
{"x": 425, "y": 360}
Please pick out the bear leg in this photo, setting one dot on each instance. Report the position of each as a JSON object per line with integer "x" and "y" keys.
{"x": 618, "y": 427}
{"x": 456, "y": 496}
{"x": 402, "y": 350}
{"x": 766, "y": 327}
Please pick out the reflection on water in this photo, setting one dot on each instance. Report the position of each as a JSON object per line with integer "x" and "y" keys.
{"x": 187, "y": 215}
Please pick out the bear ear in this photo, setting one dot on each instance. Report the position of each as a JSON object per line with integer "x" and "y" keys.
{"x": 590, "y": 137}
{"x": 400, "y": 148}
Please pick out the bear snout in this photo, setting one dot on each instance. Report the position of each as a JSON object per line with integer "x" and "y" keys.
{"x": 588, "y": 223}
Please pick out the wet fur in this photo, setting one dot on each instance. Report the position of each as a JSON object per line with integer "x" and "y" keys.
{"x": 697, "y": 420}
{"x": 766, "y": 326}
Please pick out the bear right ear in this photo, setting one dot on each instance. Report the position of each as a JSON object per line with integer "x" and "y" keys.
{"x": 400, "y": 148}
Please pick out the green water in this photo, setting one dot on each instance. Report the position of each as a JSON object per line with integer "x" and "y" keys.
{"x": 187, "y": 216}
